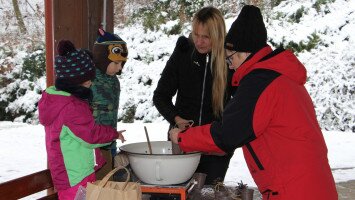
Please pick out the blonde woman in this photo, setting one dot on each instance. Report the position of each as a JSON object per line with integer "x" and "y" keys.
{"x": 197, "y": 73}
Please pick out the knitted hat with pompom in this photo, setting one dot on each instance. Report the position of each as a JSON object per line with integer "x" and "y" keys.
{"x": 74, "y": 66}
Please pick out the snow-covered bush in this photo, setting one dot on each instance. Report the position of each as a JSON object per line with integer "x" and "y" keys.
{"x": 326, "y": 50}
{"x": 129, "y": 111}
{"x": 324, "y": 43}
{"x": 320, "y": 32}
{"x": 21, "y": 88}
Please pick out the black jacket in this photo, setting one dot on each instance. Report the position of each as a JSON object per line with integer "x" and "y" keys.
{"x": 185, "y": 75}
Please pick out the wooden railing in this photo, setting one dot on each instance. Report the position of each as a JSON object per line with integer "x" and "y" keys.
{"x": 28, "y": 185}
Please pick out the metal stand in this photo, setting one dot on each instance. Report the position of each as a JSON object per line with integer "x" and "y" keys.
{"x": 153, "y": 189}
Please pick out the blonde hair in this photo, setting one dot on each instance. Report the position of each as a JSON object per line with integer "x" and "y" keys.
{"x": 213, "y": 20}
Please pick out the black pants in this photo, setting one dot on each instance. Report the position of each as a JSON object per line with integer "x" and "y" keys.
{"x": 215, "y": 167}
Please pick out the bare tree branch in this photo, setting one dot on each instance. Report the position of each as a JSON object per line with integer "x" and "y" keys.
{"x": 19, "y": 17}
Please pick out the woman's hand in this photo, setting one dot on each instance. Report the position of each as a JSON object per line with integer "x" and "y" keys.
{"x": 173, "y": 135}
{"x": 182, "y": 123}
{"x": 120, "y": 136}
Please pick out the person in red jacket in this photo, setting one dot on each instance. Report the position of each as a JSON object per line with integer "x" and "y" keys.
{"x": 271, "y": 116}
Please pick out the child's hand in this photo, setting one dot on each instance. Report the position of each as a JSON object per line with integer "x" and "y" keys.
{"x": 120, "y": 136}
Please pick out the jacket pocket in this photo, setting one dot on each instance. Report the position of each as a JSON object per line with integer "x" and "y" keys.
{"x": 260, "y": 163}
{"x": 254, "y": 156}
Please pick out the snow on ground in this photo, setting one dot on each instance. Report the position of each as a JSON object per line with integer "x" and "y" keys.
{"x": 22, "y": 150}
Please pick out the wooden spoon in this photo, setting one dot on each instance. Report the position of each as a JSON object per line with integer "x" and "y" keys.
{"x": 149, "y": 145}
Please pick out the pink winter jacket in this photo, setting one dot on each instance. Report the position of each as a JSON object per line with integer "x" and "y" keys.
{"x": 72, "y": 137}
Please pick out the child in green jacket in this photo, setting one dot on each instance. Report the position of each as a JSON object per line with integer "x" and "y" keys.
{"x": 109, "y": 55}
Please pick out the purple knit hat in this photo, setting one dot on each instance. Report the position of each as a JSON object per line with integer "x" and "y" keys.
{"x": 74, "y": 66}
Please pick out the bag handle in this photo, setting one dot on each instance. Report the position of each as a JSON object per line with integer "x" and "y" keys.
{"x": 104, "y": 181}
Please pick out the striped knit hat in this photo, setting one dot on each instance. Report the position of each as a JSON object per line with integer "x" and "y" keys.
{"x": 72, "y": 65}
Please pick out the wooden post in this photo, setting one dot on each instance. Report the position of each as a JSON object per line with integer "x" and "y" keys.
{"x": 48, "y": 9}
{"x": 95, "y": 9}
{"x": 79, "y": 21}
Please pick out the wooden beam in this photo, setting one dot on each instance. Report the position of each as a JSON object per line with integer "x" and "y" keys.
{"x": 26, "y": 185}
{"x": 48, "y": 9}
{"x": 70, "y": 22}
{"x": 50, "y": 197}
{"x": 95, "y": 10}
{"x": 79, "y": 21}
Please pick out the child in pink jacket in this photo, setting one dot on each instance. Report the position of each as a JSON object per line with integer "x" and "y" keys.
{"x": 72, "y": 137}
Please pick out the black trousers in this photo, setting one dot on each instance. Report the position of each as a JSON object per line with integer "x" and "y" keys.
{"x": 215, "y": 167}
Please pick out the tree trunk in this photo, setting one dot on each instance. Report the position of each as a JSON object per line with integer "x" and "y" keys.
{"x": 19, "y": 17}
{"x": 182, "y": 14}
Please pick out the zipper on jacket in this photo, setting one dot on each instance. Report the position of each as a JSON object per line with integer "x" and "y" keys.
{"x": 203, "y": 90}
{"x": 95, "y": 158}
{"x": 269, "y": 192}
{"x": 255, "y": 157}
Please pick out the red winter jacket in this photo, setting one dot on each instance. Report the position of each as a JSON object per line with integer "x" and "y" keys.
{"x": 271, "y": 116}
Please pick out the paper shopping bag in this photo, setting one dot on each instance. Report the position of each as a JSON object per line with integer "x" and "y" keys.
{"x": 110, "y": 190}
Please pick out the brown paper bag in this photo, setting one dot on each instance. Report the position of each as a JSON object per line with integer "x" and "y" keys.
{"x": 110, "y": 190}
